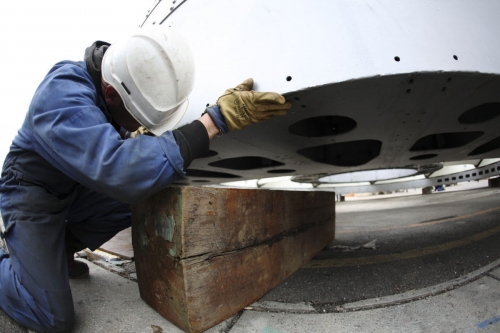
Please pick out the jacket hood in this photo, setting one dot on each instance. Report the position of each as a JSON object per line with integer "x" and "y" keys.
{"x": 93, "y": 60}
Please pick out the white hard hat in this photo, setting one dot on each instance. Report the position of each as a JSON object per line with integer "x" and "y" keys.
{"x": 153, "y": 71}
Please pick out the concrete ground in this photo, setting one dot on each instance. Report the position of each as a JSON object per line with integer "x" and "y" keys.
{"x": 400, "y": 263}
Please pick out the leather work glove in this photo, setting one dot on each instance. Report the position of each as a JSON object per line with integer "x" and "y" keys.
{"x": 241, "y": 106}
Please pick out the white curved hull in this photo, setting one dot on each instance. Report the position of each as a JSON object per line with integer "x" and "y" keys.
{"x": 401, "y": 70}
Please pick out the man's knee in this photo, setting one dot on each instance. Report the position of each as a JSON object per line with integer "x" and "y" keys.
{"x": 58, "y": 325}
{"x": 63, "y": 324}
{"x": 62, "y": 314}
{"x": 50, "y": 312}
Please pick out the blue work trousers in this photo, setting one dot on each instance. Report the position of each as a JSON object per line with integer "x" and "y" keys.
{"x": 34, "y": 286}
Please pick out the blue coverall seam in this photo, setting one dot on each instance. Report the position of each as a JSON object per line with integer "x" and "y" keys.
{"x": 22, "y": 301}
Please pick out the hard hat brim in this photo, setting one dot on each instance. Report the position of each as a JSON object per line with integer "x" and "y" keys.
{"x": 172, "y": 121}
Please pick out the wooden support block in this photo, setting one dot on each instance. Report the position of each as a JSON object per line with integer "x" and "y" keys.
{"x": 203, "y": 254}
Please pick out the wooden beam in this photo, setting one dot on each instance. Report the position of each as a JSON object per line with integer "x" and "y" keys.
{"x": 203, "y": 254}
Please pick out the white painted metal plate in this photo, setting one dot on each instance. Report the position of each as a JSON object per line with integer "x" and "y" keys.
{"x": 374, "y": 84}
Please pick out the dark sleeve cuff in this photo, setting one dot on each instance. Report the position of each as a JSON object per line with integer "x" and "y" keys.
{"x": 193, "y": 141}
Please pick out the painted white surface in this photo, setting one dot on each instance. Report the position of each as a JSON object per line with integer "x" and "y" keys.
{"x": 368, "y": 175}
{"x": 452, "y": 169}
{"x": 488, "y": 161}
{"x": 323, "y": 41}
{"x": 340, "y": 56}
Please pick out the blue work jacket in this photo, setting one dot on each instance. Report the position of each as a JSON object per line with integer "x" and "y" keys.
{"x": 67, "y": 125}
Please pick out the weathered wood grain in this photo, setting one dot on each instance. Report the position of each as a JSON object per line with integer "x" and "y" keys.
{"x": 202, "y": 254}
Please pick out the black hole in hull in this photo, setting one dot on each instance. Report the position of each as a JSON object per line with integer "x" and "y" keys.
{"x": 352, "y": 153}
{"x": 479, "y": 114}
{"x": 208, "y": 174}
{"x": 487, "y": 147}
{"x": 246, "y": 163}
{"x": 281, "y": 171}
{"x": 445, "y": 140}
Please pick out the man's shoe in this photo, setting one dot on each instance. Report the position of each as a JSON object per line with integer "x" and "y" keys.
{"x": 76, "y": 269}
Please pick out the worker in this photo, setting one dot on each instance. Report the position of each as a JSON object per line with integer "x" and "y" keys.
{"x": 98, "y": 137}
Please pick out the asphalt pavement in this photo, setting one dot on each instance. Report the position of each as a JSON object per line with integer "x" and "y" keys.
{"x": 402, "y": 262}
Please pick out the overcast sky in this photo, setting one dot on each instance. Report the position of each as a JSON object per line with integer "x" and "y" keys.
{"x": 36, "y": 34}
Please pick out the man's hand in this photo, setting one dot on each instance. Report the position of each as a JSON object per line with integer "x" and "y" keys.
{"x": 241, "y": 106}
